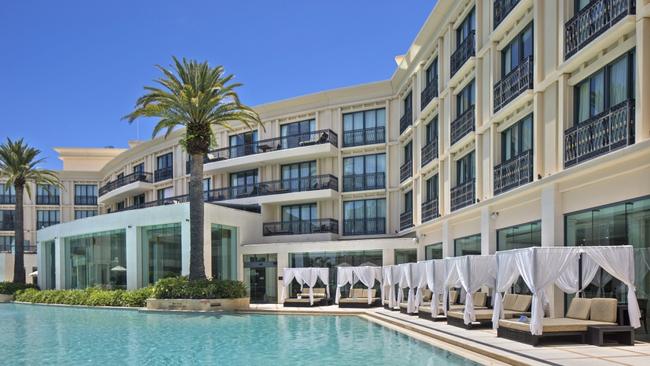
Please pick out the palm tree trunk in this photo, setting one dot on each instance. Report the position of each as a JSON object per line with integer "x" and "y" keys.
{"x": 197, "y": 268}
{"x": 19, "y": 237}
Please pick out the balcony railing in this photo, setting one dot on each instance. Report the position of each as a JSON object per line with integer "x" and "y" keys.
{"x": 462, "y": 125}
{"x": 85, "y": 200}
{"x": 406, "y": 220}
{"x": 364, "y": 182}
{"x": 7, "y": 225}
{"x": 7, "y": 199}
{"x": 463, "y": 195}
{"x": 465, "y": 50}
{"x": 304, "y": 184}
{"x": 160, "y": 202}
{"x": 514, "y": 172}
{"x": 365, "y": 226}
{"x": 430, "y": 210}
{"x": 47, "y": 199}
{"x": 430, "y": 151}
{"x": 605, "y": 132}
{"x": 127, "y": 179}
{"x": 513, "y": 84}
{"x": 45, "y": 223}
{"x": 592, "y": 21}
{"x": 163, "y": 174}
{"x": 429, "y": 92}
{"x": 501, "y": 9}
{"x": 364, "y": 136}
{"x": 406, "y": 120}
{"x": 188, "y": 164}
{"x": 316, "y": 226}
{"x": 406, "y": 171}
{"x": 275, "y": 144}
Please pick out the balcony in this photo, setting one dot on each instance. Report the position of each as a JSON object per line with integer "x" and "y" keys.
{"x": 406, "y": 120}
{"x": 513, "y": 84}
{"x": 7, "y": 199}
{"x": 463, "y": 195}
{"x": 85, "y": 200}
{"x": 364, "y": 182}
{"x": 302, "y": 227}
{"x": 162, "y": 202}
{"x": 46, "y": 199}
{"x": 501, "y": 9}
{"x": 365, "y": 226}
{"x": 430, "y": 151}
{"x": 462, "y": 125}
{"x": 465, "y": 50}
{"x": 125, "y": 180}
{"x": 611, "y": 130}
{"x": 406, "y": 220}
{"x": 429, "y": 92}
{"x": 405, "y": 171}
{"x": 7, "y": 226}
{"x": 514, "y": 172}
{"x": 45, "y": 223}
{"x": 430, "y": 210}
{"x": 364, "y": 136}
{"x": 592, "y": 21}
{"x": 163, "y": 174}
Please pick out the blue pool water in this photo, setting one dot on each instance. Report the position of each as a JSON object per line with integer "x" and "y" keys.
{"x": 42, "y": 335}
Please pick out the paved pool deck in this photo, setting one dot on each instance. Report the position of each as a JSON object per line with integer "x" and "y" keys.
{"x": 483, "y": 345}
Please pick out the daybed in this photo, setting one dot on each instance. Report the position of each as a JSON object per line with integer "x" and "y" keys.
{"x": 359, "y": 299}
{"x": 514, "y": 306}
{"x": 320, "y": 299}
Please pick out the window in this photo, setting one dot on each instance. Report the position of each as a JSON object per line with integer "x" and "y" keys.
{"x": 138, "y": 169}
{"x": 431, "y": 133}
{"x": 7, "y": 194}
{"x": 164, "y": 193}
{"x": 465, "y": 28}
{"x": 406, "y": 256}
{"x": 465, "y": 99}
{"x": 164, "y": 167}
{"x": 45, "y": 218}
{"x": 47, "y": 194}
{"x": 517, "y": 139}
{"x": 465, "y": 169}
{"x": 7, "y": 243}
{"x": 82, "y": 214}
{"x": 469, "y": 245}
{"x": 364, "y": 128}
{"x": 408, "y": 152}
{"x": 364, "y": 172}
{"x": 520, "y": 236}
{"x": 296, "y": 177}
{"x": 296, "y": 132}
{"x": 224, "y": 252}
{"x": 606, "y": 88}
{"x": 517, "y": 51}
{"x": 97, "y": 259}
{"x": 138, "y": 201}
{"x": 207, "y": 184}
{"x": 364, "y": 217}
{"x": 7, "y": 220}
{"x": 580, "y": 4}
{"x": 431, "y": 187}
{"x": 85, "y": 194}
{"x": 408, "y": 201}
{"x": 161, "y": 252}
{"x": 433, "y": 251}
{"x": 408, "y": 103}
{"x": 304, "y": 212}
{"x": 243, "y": 144}
{"x": 431, "y": 74}
{"x": 243, "y": 183}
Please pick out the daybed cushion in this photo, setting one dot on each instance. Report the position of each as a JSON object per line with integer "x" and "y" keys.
{"x": 362, "y": 292}
{"x": 553, "y": 325}
{"x": 579, "y": 308}
{"x": 481, "y": 315}
{"x": 426, "y": 294}
{"x": 462, "y": 307}
{"x": 358, "y": 300}
{"x": 453, "y": 297}
{"x": 509, "y": 301}
{"x": 303, "y": 300}
{"x": 480, "y": 299}
{"x": 603, "y": 310}
{"x": 522, "y": 303}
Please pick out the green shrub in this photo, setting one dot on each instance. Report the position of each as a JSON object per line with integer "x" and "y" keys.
{"x": 90, "y": 297}
{"x": 183, "y": 288}
{"x": 10, "y": 288}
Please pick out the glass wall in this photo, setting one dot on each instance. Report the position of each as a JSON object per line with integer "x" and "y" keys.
{"x": 97, "y": 259}
{"x": 433, "y": 251}
{"x": 469, "y": 245}
{"x": 260, "y": 277}
{"x": 520, "y": 236}
{"x": 406, "y": 256}
{"x": 161, "y": 252}
{"x": 224, "y": 252}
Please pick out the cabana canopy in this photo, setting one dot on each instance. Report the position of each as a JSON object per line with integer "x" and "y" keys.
{"x": 541, "y": 267}
{"x": 307, "y": 276}
{"x": 471, "y": 272}
{"x": 431, "y": 275}
{"x": 391, "y": 275}
{"x": 351, "y": 275}
{"x": 408, "y": 279}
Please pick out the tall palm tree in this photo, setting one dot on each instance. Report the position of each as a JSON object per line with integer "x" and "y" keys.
{"x": 197, "y": 97}
{"x": 19, "y": 166}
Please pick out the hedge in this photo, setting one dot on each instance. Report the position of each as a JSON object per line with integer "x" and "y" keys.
{"x": 91, "y": 297}
{"x": 182, "y": 288}
{"x": 10, "y": 288}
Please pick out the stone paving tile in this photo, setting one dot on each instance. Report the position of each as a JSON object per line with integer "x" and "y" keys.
{"x": 603, "y": 352}
{"x": 633, "y": 361}
{"x": 586, "y": 362}
{"x": 553, "y": 354}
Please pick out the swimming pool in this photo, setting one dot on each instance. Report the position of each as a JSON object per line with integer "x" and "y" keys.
{"x": 56, "y": 335}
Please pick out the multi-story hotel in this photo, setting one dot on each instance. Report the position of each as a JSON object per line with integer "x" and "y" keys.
{"x": 506, "y": 124}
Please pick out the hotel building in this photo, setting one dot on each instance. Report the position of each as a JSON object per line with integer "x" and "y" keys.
{"x": 506, "y": 124}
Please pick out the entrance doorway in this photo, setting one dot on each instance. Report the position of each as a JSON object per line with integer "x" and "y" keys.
{"x": 261, "y": 275}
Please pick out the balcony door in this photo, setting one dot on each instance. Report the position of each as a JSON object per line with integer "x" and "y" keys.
{"x": 299, "y": 177}
{"x": 517, "y": 139}
{"x": 297, "y": 219}
{"x": 465, "y": 170}
{"x": 296, "y": 132}
{"x": 243, "y": 144}
{"x": 517, "y": 51}
{"x": 243, "y": 184}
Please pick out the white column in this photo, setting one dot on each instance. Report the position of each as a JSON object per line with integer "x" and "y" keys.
{"x": 185, "y": 247}
{"x": 553, "y": 235}
{"x": 133, "y": 262}
{"x": 642, "y": 118}
{"x": 447, "y": 240}
{"x": 283, "y": 262}
{"x": 388, "y": 256}
{"x": 40, "y": 263}
{"x": 59, "y": 259}
{"x": 488, "y": 232}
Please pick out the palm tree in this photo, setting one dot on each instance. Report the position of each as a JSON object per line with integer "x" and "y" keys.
{"x": 19, "y": 166}
{"x": 197, "y": 97}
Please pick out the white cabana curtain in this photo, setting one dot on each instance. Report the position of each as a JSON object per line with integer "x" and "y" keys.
{"x": 421, "y": 280}
{"x": 507, "y": 274}
{"x": 451, "y": 280}
{"x": 307, "y": 276}
{"x": 407, "y": 280}
{"x": 438, "y": 284}
{"x": 351, "y": 275}
{"x": 475, "y": 271}
{"x": 387, "y": 284}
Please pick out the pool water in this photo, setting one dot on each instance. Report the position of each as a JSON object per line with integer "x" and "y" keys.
{"x": 42, "y": 335}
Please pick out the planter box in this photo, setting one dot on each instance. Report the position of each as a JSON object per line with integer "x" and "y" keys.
{"x": 199, "y": 304}
{"x": 6, "y": 298}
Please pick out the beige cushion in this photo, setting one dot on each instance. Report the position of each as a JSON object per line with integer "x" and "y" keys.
{"x": 357, "y": 300}
{"x": 453, "y": 297}
{"x": 551, "y": 325}
{"x": 603, "y": 310}
{"x": 480, "y": 299}
{"x": 523, "y": 303}
{"x": 462, "y": 307}
{"x": 509, "y": 301}
{"x": 481, "y": 314}
{"x": 426, "y": 294}
{"x": 579, "y": 308}
{"x": 295, "y": 300}
{"x": 424, "y": 309}
{"x": 356, "y": 292}
{"x": 362, "y": 292}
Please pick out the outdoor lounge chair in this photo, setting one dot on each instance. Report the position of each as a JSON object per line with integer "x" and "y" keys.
{"x": 320, "y": 298}
{"x": 480, "y": 302}
{"x": 582, "y": 313}
{"x": 359, "y": 299}
{"x": 426, "y": 298}
{"x": 514, "y": 306}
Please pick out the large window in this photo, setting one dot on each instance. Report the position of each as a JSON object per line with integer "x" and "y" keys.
{"x": 469, "y": 245}
{"x": 243, "y": 144}
{"x": 296, "y": 132}
{"x": 82, "y": 214}
{"x": 7, "y": 194}
{"x": 520, "y": 236}
{"x": 517, "y": 51}
{"x": 161, "y": 252}
{"x": 47, "y": 194}
{"x": 606, "y": 88}
{"x": 364, "y": 217}
{"x": 408, "y": 152}
{"x": 85, "y": 194}
{"x": 164, "y": 167}
{"x": 97, "y": 259}
{"x": 364, "y": 172}
{"x": 406, "y": 256}
{"x": 431, "y": 74}
{"x": 45, "y": 218}
{"x": 465, "y": 28}
{"x": 6, "y": 243}
{"x": 465, "y": 169}
{"x": 517, "y": 139}
{"x": 364, "y": 128}
{"x": 408, "y": 201}
{"x": 243, "y": 183}
{"x": 433, "y": 251}
{"x": 164, "y": 193}
{"x": 431, "y": 131}
{"x": 297, "y": 213}
{"x": 431, "y": 188}
{"x": 224, "y": 252}
{"x": 138, "y": 169}
{"x": 465, "y": 99}
{"x": 7, "y": 220}
{"x": 296, "y": 177}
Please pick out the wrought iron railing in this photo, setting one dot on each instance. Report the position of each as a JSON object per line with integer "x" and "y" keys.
{"x": 274, "y": 144}
{"x": 462, "y": 125}
{"x": 463, "y": 195}
{"x": 163, "y": 173}
{"x": 364, "y": 136}
{"x": 365, "y": 226}
{"x": 159, "y": 202}
{"x": 406, "y": 220}
{"x": 7, "y": 199}
{"x": 513, "y": 84}
{"x": 85, "y": 200}
{"x": 429, "y": 151}
{"x": 303, "y": 184}
{"x": 605, "y": 132}
{"x": 406, "y": 170}
{"x": 316, "y": 226}
{"x": 429, "y": 92}
{"x": 127, "y": 179}
{"x": 364, "y": 182}
{"x": 465, "y": 50}
{"x": 501, "y": 9}
{"x": 406, "y": 120}
{"x": 592, "y": 21}
{"x": 514, "y": 172}
{"x": 430, "y": 210}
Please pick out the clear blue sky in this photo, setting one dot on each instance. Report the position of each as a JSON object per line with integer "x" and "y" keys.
{"x": 70, "y": 70}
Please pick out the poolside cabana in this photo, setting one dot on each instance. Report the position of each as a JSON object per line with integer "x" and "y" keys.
{"x": 431, "y": 276}
{"x": 306, "y": 277}
{"x": 391, "y": 275}
{"x": 571, "y": 269}
{"x": 364, "y": 298}
{"x": 408, "y": 280}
